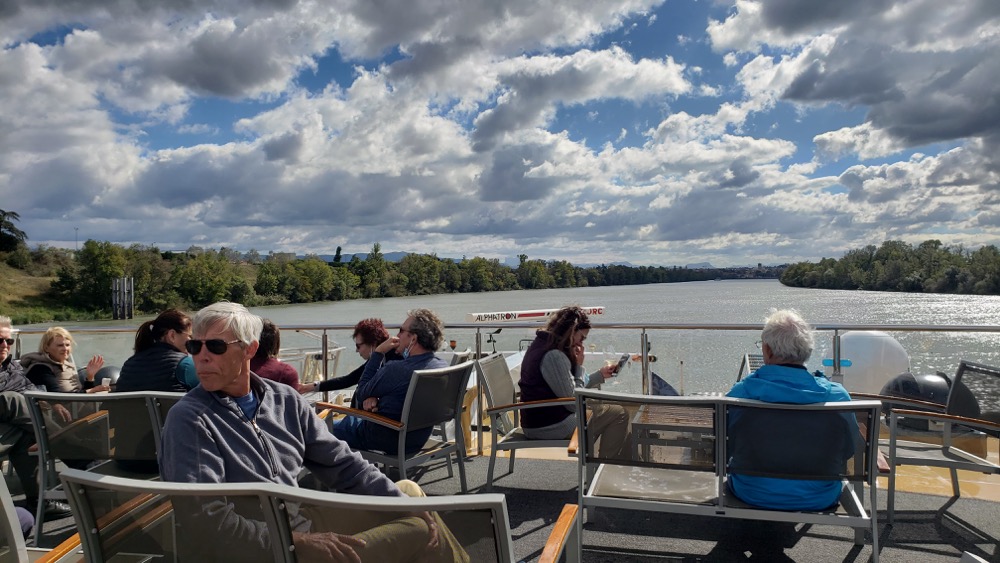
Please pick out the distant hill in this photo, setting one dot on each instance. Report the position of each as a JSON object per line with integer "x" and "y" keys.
{"x": 700, "y": 266}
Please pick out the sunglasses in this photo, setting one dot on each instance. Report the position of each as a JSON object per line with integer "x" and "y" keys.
{"x": 9, "y": 341}
{"x": 216, "y": 346}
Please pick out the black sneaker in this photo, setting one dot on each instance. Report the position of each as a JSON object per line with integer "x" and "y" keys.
{"x": 54, "y": 509}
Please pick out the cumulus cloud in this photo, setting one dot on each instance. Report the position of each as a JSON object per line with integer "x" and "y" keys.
{"x": 590, "y": 131}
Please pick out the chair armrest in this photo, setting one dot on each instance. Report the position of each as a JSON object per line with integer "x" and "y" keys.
{"x": 68, "y": 546}
{"x": 531, "y": 405}
{"x": 981, "y": 424}
{"x": 369, "y": 416}
{"x": 574, "y": 443}
{"x": 563, "y": 530}
{"x": 92, "y": 418}
{"x": 904, "y": 401}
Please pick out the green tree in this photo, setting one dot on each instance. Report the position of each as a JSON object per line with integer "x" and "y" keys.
{"x": 10, "y": 236}
{"x": 97, "y": 265}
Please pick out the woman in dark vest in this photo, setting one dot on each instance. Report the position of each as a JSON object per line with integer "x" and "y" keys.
{"x": 159, "y": 362}
{"x": 553, "y": 368}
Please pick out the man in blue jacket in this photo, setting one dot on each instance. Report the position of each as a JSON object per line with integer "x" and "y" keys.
{"x": 383, "y": 387}
{"x": 787, "y": 342}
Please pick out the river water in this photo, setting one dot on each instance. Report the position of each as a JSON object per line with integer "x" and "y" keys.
{"x": 697, "y": 360}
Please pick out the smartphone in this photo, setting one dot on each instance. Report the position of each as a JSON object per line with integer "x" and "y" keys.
{"x": 621, "y": 363}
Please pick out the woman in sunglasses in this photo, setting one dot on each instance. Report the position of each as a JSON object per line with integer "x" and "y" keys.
{"x": 52, "y": 366}
{"x": 160, "y": 362}
{"x": 368, "y": 334}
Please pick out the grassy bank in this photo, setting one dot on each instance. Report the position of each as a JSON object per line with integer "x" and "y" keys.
{"x": 23, "y": 298}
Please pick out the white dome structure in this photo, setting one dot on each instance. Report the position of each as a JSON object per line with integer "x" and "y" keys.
{"x": 875, "y": 358}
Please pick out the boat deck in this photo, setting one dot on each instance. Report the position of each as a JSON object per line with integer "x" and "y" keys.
{"x": 930, "y": 527}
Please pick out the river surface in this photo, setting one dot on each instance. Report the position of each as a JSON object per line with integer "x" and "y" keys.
{"x": 695, "y": 360}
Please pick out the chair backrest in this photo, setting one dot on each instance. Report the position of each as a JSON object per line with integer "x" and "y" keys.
{"x": 12, "y": 547}
{"x": 119, "y": 518}
{"x": 160, "y": 403}
{"x": 186, "y": 522}
{"x": 479, "y": 523}
{"x": 975, "y": 392}
{"x": 461, "y": 357}
{"x": 677, "y": 432}
{"x": 819, "y": 441}
{"x": 89, "y": 427}
{"x": 435, "y": 395}
{"x": 498, "y": 387}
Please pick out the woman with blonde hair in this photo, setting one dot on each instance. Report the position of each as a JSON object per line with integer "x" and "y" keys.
{"x": 51, "y": 365}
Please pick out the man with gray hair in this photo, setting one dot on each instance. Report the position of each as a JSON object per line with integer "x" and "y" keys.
{"x": 237, "y": 427}
{"x": 787, "y": 342}
{"x": 383, "y": 386}
{"x": 16, "y": 432}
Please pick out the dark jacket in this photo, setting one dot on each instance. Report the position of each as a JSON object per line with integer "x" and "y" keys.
{"x": 153, "y": 369}
{"x": 352, "y": 379}
{"x": 12, "y": 377}
{"x": 534, "y": 387}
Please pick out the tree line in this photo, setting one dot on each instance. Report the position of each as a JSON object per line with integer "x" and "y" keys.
{"x": 929, "y": 267}
{"x": 82, "y": 279}
{"x": 197, "y": 277}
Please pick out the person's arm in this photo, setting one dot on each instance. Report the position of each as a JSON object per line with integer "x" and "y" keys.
{"x": 289, "y": 376}
{"x": 337, "y": 383}
{"x": 186, "y": 373}
{"x": 556, "y": 371}
{"x": 41, "y": 374}
{"x": 370, "y": 376}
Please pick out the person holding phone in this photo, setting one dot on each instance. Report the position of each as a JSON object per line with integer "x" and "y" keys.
{"x": 553, "y": 368}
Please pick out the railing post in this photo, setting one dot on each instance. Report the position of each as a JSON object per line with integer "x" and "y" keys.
{"x": 836, "y": 376}
{"x": 325, "y": 347}
{"x": 644, "y": 351}
{"x": 479, "y": 396}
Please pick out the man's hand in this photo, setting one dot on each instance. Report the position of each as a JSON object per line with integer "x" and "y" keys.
{"x": 433, "y": 541}
{"x": 370, "y": 404}
{"x": 62, "y": 412}
{"x": 327, "y": 546}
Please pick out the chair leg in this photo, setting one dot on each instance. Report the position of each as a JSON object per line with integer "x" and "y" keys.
{"x": 460, "y": 454}
{"x": 890, "y": 504}
{"x": 510, "y": 466}
{"x": 956, "y": 489}
{"x": 489, "y": 472}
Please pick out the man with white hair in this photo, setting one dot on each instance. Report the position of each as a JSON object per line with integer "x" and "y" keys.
{"x": 237, "y": 427}
{"x": 16, "y": 432}
{"x": 787, "y": 342}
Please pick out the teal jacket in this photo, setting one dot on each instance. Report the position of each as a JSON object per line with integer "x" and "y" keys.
{"x": 793, "y": 385}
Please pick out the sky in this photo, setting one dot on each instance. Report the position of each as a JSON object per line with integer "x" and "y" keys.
{"x": 644, "y": 131}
